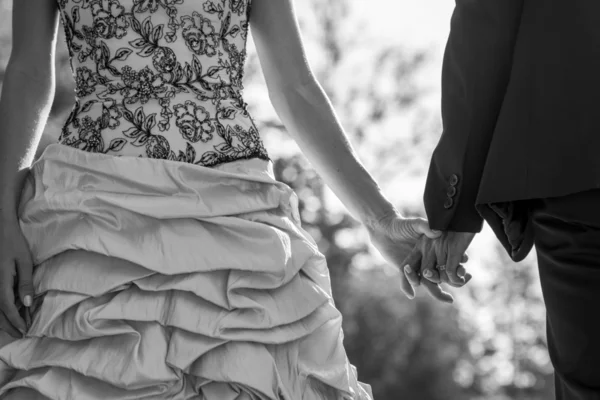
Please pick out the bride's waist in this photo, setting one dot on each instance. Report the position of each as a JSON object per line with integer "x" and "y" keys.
{"x": 182, "y": 111}
{"x": 214, "y": 102}
{"x": 176, "y": 128}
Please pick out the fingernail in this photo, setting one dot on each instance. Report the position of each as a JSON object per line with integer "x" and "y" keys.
{"x": 407, "y": 269}
{"x": 27, "y": 301}
{"x": 436, "y": 231}
{"x": 427, "y": 274}
{"x": 460, "y": 274}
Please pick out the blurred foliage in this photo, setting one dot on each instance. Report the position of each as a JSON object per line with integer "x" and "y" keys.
{"x": 404, "y": 349}
{"x": 491, "y": 344}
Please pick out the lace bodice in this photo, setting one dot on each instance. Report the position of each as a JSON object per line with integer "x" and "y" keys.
{"x": 160, "y": 79}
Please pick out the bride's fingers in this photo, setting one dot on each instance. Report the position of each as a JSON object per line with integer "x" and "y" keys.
{"x": 428, "y": 270}
{"x": 412, "y": 276}
{"x": 436, "y": 291}
{"x": 464, "y": 259}
{"x": 437, "y": 252}
{"x": 468, "y": 277}
{"x": 432, "y": 275}
{"x": 435, "y": 277}
{"x": 406, "y": 287}
{"x": 461, "y": 271}
{"x": 411, "y": 265}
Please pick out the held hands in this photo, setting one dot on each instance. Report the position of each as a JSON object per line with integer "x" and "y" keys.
{"x": 440, "y": 261}
{"x": 444, "y": 258}
{"x": 411, "y": 246}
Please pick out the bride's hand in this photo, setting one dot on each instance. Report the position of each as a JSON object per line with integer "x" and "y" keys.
{"x": 16, "y": 279}
{"x": 404, "y": 242}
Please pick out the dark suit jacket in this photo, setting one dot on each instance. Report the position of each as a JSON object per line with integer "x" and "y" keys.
{"x": 521, "y": 114}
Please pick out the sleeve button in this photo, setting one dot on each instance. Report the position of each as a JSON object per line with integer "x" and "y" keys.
{"x": 451, "y": 191}
{"x": 449, "y": 203}
{"x": 453, "y": 179}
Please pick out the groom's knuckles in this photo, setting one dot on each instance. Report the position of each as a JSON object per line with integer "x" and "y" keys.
{"x": 441, "y": 249}
{"x": 429, "y": 256}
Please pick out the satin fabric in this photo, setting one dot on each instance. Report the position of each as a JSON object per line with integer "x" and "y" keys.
{"x": 159, "y": 279}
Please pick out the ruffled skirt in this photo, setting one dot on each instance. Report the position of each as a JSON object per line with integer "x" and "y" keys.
{"x": 165, "y": 280}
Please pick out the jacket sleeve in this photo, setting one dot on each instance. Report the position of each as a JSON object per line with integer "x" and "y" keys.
{"x": 475, "y": 75}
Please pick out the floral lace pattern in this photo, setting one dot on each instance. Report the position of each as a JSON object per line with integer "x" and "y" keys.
{"x": 160, "y": 79}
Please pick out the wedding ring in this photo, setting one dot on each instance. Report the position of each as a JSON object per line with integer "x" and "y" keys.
{"x": 441, "y": 267}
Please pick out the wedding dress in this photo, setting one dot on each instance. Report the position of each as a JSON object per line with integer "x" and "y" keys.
{"x": 169, "y": 262}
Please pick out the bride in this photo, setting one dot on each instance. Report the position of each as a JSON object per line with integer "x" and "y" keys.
{"x": 150, "y": 253}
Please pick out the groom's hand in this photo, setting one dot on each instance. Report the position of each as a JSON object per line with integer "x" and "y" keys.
{"x": 449, "y": 252}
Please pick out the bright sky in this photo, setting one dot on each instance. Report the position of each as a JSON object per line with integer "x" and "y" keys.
{"x": 417, "y": 23}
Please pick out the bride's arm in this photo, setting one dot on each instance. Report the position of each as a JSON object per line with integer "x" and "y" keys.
{"x": 27, "y": 94}
{"x": 306, "y": 112}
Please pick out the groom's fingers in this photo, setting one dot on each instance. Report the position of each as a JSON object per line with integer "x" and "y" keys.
{"x": 461, "y": 271}
{"x": 452, "y": 268}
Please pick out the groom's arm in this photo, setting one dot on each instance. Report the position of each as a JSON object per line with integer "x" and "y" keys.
{"x": 475, "y": 74}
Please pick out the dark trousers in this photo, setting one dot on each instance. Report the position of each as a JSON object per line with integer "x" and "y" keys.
{"x": 567, "y": 241}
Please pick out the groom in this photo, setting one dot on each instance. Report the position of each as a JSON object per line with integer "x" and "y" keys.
{"x": 520, "y": 149}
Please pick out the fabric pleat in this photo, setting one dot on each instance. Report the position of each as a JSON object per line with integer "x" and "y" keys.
{"x": 159, "y": 279}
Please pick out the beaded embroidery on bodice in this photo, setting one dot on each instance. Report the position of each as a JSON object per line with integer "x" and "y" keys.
{"x": 160, "y": 79}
